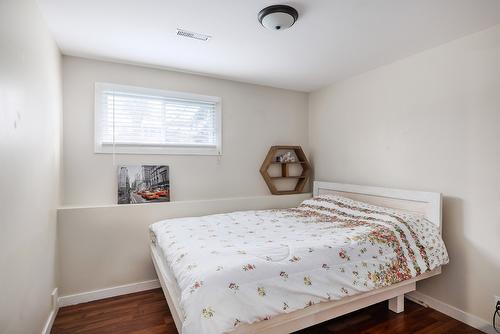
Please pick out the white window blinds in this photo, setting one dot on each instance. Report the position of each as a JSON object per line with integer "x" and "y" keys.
{"x": 139, "y": 120}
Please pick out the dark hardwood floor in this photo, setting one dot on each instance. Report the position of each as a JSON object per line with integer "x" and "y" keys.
{"x": 147, "y": 313}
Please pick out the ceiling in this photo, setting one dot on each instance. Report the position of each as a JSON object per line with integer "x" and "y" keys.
{"x": 332, "y": 39}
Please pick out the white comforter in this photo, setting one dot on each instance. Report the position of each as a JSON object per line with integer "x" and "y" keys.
{"x": 243, "y": 267}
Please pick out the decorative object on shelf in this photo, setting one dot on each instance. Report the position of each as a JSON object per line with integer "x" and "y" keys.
{"x": 286, "y": 156}
{"x": 143, "y": 184}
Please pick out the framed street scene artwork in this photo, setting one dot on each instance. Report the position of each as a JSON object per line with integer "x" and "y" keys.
{"x": 143, "y": 184}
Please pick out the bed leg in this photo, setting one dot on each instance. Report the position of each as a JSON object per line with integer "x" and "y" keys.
{"x": 397, "y": 304}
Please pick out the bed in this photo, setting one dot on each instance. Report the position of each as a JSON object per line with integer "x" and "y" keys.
{"x": 279, "y": 271}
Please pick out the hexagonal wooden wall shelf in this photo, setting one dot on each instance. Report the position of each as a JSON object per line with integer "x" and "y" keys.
{"x": 270, "y": 160}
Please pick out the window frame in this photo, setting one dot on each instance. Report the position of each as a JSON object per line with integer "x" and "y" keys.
{"x": 174, "y": 149}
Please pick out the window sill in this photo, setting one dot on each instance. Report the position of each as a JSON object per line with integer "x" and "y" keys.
{"x": 161, "y": 150}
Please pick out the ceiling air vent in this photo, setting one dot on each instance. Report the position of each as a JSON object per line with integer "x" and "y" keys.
{"x": 189, "y": 34}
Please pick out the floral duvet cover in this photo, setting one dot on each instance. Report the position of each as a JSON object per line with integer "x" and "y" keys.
{"x": 247, "y": 266}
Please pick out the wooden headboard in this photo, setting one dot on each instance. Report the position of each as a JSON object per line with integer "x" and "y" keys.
{"x": 426, "y": 203}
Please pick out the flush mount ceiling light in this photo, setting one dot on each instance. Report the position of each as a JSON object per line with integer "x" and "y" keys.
{"x": 278, "y": 17}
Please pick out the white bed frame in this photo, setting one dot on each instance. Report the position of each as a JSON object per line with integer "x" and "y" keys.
{"x": 427, "y": 203}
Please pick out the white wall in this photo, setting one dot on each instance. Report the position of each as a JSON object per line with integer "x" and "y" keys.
{"x": 111, "y": 242}
{"x": 30, "y": 111}
{"x": 429, "y": 122}
{"x": 254, "y": 118}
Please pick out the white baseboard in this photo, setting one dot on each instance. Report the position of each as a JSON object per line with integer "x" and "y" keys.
{"x": 52, "y": 315}
{"x": 451, "y": 311}
{"x": 107, "y": 293}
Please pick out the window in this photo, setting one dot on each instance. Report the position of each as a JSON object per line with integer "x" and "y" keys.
{"x": 150, "y": 121}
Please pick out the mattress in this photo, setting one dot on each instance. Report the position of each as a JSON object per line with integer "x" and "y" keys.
{"x": 169, "y": 275}
{"x": 248, "y": 266}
